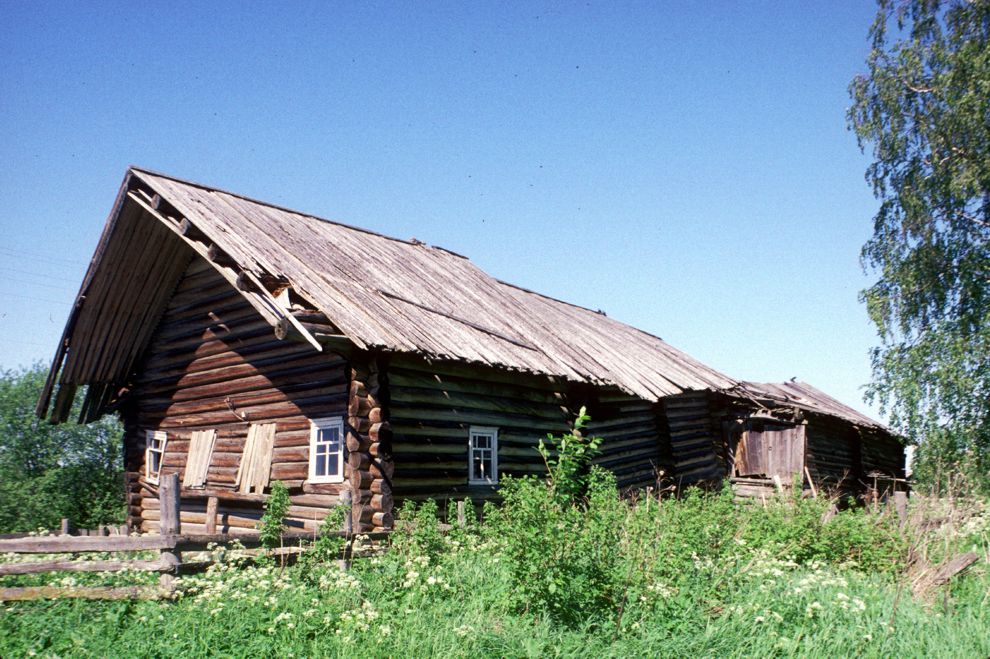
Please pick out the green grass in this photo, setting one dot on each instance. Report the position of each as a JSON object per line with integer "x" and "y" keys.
{"x": 698, "y": 577}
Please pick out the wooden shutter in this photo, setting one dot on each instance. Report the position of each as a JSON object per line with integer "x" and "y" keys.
{"x": 256, "y": 461}
{"x": 198, "y": 463}
{"x": 773, "y": 451}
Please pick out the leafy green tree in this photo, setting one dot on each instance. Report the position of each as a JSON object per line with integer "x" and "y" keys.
{"x": 923, "y": 109}
{"x": 49, "y": 472}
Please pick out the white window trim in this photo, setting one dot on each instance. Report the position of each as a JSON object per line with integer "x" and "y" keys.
{"x": 483, "y": 430}
{"x": 315, "y": 425}
{"x": 149, "y": 436}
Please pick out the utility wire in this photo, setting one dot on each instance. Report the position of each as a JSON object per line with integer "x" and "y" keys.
{"x": 42, "y": 275}
{"x": 36, "y": 299}
{"x": 27, "y": 284}
{"x": 42, "y": 257}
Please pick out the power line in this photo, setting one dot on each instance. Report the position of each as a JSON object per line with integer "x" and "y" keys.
{"x": 43, "y": 275}
{"x": 37, "y": 299}
{"x": 30, "y": 343}
{"x": 42, "y": 257}
{"x": 25, "y": 283}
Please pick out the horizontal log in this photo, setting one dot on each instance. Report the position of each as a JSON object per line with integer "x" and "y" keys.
{"x": 408, "y": 415}
{"x": 382, "y": 502}
{"x": 332, "y": 489}
{"x": 362, "y": 478}
{"x": 72, "y": 544}
{"x": 7, "y": 569}
{"x": 445, "y": 371}
{"x": 383, "y": 520}
{"x": 221, "y": 397}
{"x": 380, "y": 431}
{"x": 415, "y": 397}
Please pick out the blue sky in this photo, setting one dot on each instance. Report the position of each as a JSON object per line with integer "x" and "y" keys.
{"x": 684, "y": 166}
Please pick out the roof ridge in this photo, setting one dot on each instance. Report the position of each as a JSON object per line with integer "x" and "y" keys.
{"x": 202, "y": 186}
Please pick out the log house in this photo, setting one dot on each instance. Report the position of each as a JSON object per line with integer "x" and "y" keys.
{"x": 242, "y": 343}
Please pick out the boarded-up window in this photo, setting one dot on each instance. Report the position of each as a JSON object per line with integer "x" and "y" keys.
{"x": 198, "y": 463}
{"x": 771, "y": 451}
{"x": 256, "y": 462}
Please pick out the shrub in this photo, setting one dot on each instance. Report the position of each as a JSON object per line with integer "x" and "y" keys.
{"x": 272, "y": 523}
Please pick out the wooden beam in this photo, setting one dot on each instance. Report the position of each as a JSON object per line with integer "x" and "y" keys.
{"x": 259, "y": 298}
{"x": 83, "y": 566}
{"x": 63, "y": 544}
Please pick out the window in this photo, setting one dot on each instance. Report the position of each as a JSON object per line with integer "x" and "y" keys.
{"x": 483, "y": 456}
{"x": 154, "y": 453}
{"x": 326, "y": 451}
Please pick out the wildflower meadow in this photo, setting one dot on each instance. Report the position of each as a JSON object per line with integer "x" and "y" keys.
{"x": 565, "y": 566}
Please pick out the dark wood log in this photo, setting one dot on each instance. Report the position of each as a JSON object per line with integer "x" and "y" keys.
{"x": 383, "y": 520}
{"x": 382, "y": 502}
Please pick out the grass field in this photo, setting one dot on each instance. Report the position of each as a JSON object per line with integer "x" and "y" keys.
{"x": 701, "y": 576}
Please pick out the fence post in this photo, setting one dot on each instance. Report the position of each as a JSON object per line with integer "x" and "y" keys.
{"x": 65, "y": 526}
{"x": 211, "y": 515}
{"x": 169, "y": 524}
{"x": 461, "y": 520}
{"x": 345, "y": 502}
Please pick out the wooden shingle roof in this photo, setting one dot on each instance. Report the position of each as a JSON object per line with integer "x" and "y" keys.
{"x": 806, "y": 397}
{"x": 407, "y": 296}
{"x": 381, "y": 292}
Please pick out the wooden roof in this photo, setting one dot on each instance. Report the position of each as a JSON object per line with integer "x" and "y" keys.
{"x": 380, "y": 292}
{"x": 806, "y": 397}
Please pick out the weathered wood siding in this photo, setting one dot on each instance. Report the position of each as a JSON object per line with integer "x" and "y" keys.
{"x": 635, "y": 446}
{"x": 213, "y": 363}
{"x": 432, "y": 408}
{"x": 833, "y": 455}
{"x": 696, "y": 447}
{"x": 883, "y": 454}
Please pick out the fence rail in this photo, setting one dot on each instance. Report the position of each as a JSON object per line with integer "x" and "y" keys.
{"x": 169, "y": 544}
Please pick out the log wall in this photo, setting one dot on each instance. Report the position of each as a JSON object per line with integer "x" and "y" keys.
{"x": 636, "y": 445}
{"x": 833, "y": 456}
{"x": 696, "y": 447}
{"x": 369, "y": 445}
{"x": 433, "y": 406}
{"x": 213, "y": 363}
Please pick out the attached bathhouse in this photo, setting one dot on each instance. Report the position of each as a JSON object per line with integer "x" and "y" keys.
{"x": 242, "y": 343}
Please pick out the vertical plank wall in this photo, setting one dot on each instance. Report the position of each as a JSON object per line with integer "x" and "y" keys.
{"x": 213, "y": 363}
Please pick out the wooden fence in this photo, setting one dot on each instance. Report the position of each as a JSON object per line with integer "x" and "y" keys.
{"x": 169, "y": 544}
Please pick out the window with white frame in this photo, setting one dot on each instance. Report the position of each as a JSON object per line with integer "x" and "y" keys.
{"x": 154, "y": 453}
{"x": 483, "y": 456}
{"x": 326, "y": 450}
